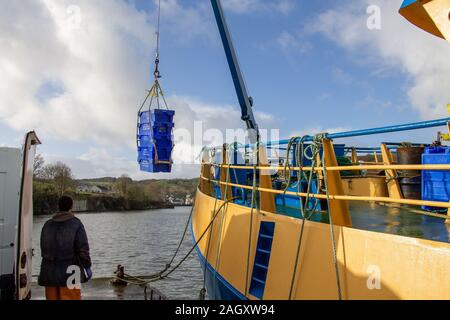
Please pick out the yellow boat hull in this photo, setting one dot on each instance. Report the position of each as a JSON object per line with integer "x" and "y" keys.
{"x": 429, "y": 15}
{"x": 371, "y": 265}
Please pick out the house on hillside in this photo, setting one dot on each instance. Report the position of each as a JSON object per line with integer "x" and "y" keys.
{"x": 184, "y": 201}
{"x": 189, "y": 201}
{"x": 87, "y": 188}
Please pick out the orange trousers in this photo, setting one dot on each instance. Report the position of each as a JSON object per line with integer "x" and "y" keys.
{"x": 62, "y": 293}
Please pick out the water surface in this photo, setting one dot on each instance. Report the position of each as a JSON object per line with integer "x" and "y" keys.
{"x": 141, "y": 241}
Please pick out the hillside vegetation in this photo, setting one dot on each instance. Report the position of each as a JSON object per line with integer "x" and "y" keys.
{"x": 108, "y": 193}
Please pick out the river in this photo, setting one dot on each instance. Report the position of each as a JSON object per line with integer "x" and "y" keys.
{"x": 143, "y": 242}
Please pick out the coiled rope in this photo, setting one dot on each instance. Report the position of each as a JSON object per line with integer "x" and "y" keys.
{"x": 252, "y": 205}
{"x": 306, "y": 213}
{"x": 226, "y": 150}
{"x": 336, "y": 264}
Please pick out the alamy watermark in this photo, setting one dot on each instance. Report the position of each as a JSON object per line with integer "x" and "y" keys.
{"x": 74, "y": 280}
{"x": 374, "y": 279}
{"x": 374, "y": 18}
{"x": 189, "y": 143}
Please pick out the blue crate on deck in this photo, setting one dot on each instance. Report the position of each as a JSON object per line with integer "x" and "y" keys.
{"x": 436, "y": 183}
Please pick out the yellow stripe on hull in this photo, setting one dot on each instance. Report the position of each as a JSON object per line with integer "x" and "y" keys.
{"x": 407, "y": 268}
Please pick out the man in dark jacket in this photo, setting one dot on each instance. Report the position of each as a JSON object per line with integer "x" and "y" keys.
{"x": 65, "y": 254}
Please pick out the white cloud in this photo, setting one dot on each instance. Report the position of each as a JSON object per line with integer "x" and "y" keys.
{"x": 98, "y": 67}
{"x": 285, "y": 6}
{"x": 246, "y": 6}
{"x": 242, "y": 6}
{"x": 204, "y": 124}
{"x": 186, "y": 22}
{"x": 74, "y": 83}
{"x": 289, "y": 43}
{"x": 398, "y": 46}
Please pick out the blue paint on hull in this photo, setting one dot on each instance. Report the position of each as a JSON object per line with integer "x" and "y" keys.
{"x": 217, "y": 287}
{"x": 407, "y": 3}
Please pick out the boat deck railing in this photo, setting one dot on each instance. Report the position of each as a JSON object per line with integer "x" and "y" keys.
{"x": 218, "y": 175}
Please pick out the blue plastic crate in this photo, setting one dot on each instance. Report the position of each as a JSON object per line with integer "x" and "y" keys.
{"x": 164, "y": 154}
{"x": 145, "y": 153}
{"x": 156, "y": 116}
{"x": 159, "y": 115}
{"x": 144, "y": 117}
{"x": 148, "y": 153}
{"x": 166, "y": 142}
{"x": 436, "y": 183}
{"x": 155, "y": 139}
{"x": 150, "y": 166}
{"x": 145, "y": 129}
{"x": 162, "y": 131}
{"x": 163, "y": 140}
{"x": 156, "y": 131}
{"x": 145, "y": 141}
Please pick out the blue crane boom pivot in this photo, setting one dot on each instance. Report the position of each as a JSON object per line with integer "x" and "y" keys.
{"x": 245, "y": 101}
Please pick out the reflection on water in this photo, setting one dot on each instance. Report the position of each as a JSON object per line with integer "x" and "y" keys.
{"x": 141, "y": 241}
{"x": 400, "y": 221}
{"x": 380, "y": 218}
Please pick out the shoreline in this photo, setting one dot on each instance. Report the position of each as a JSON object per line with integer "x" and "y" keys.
{"x": 118, "y": 211}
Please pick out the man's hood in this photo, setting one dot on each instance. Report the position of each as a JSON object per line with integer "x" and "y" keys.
{"x": 63, "y": 216}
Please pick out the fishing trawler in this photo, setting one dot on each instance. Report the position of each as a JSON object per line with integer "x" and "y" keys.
{"x": 324, "y": 220}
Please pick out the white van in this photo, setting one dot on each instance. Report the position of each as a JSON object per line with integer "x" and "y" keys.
{"x": 16, "y": 219}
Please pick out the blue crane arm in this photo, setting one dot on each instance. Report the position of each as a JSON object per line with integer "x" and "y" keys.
{"x": 245, "y": 101}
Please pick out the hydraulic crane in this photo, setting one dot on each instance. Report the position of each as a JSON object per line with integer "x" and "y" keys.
{"x": 245, "y": 101}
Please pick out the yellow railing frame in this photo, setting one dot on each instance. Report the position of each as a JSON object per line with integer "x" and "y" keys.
{"x": 334, "y": 196}
{"x": 338, "y": 197}
{"x": 348, "y": 168}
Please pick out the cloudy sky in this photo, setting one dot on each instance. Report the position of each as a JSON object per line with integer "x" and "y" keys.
{"x": 76, "y": 71}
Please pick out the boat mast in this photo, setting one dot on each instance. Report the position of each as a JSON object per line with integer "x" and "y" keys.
{"x": 245, "y": 101}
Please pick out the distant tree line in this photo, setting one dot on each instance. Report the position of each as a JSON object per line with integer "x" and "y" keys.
{"x": 51, "y": 181}
{"x": 56, "y": 179}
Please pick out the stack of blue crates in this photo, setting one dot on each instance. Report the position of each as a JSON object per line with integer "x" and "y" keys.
{"x": 436, "y": 183}
{"x": 155, "y": 140}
